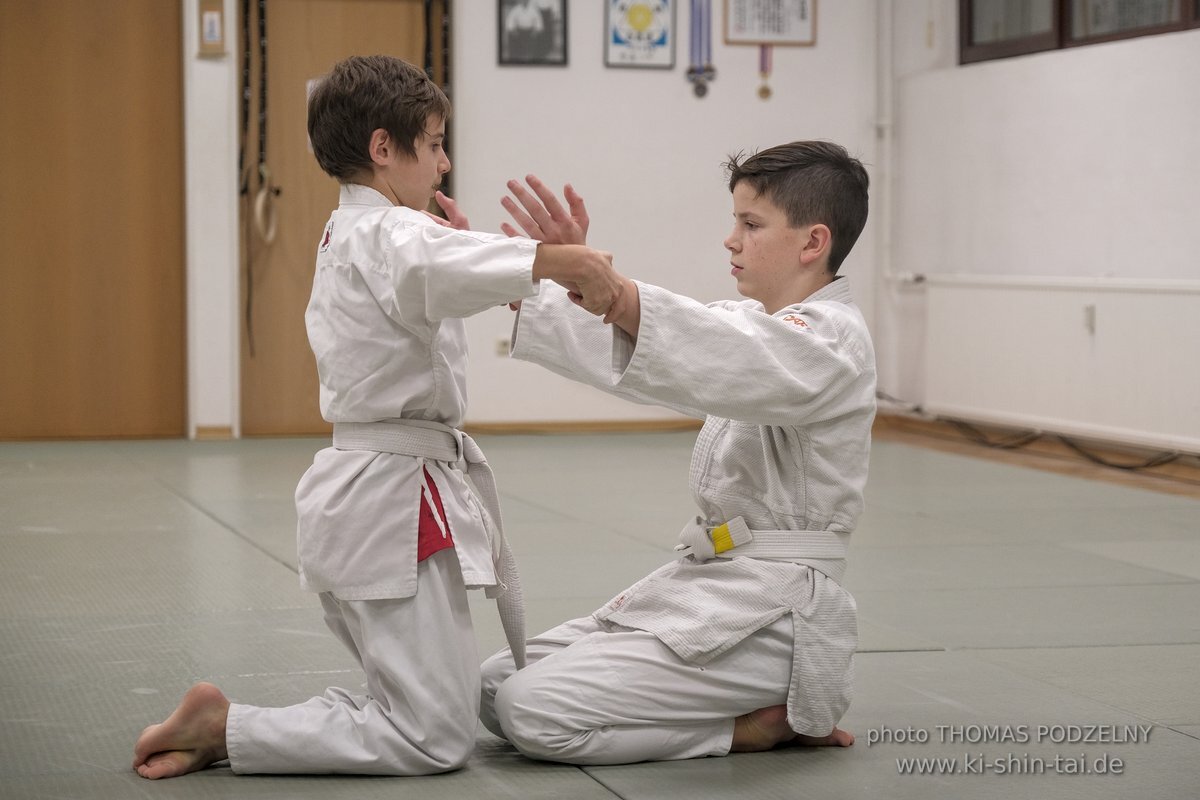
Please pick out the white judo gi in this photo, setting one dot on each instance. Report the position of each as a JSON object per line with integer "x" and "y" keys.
{"x": 384, "y": 323}
{"x": 661, "y": 671}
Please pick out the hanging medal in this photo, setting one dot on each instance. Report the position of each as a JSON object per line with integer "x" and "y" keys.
{"x": 710, "y": 72}
{"x": 700, "y": 67}
{"x": 765, "y": 57}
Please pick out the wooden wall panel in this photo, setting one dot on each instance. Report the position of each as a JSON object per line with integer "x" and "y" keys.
{"x": 92, "y": 269}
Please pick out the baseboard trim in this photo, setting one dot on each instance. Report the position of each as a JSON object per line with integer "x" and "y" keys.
{"x": 584, "y": 426}
{"x": 1180, "y": 477}
{"x": 211, "y": 433}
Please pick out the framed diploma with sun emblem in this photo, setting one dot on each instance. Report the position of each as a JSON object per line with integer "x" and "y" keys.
{"x": 639, "y": 33}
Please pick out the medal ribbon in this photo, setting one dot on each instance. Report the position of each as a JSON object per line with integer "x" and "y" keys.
{"x": 700, "y": 70}
{"x": 765, "y": 57}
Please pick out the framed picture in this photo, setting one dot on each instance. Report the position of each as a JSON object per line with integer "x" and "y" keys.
{"x": 771, "y": 22}
{"x": 532, "y": 32}
{"x": 639, "y": 33}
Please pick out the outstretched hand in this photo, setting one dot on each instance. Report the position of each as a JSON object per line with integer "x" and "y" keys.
{"x": 591, "y": 282}
{"x": 543, "y": 217}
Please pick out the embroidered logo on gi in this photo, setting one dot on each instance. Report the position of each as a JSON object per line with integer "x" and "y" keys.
{"x": 792, "y": 318}
{"x": 327, "y": 237}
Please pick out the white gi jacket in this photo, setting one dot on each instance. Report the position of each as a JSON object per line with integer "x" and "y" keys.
{"x": 789, "y": 400}
{"x": 384, "y": 323}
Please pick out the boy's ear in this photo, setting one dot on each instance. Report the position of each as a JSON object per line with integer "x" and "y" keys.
{"x": 380, "y": 147}
{"x": 816, "y": 245}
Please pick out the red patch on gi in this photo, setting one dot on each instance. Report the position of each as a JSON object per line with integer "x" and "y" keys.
{"x": 429, "y": 536}
{"x": 799, "y": 323}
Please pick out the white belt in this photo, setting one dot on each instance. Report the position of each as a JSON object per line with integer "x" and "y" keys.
{"x": 434, "y": 441}
{"x": 824, "y": 551}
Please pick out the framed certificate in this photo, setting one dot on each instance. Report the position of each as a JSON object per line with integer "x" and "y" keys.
{"x": 784, "y": 22}
{"x": 639, "y": 33}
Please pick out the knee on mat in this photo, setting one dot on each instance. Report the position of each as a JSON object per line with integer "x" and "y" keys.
{"x": 444, "y": 745}
{"x": 487, "y": 714}
{"x": 448, "y": 756}
{"x": 525, "y": 723}
{"x": 494, "y": 672}
{"x": 458, "y": 758}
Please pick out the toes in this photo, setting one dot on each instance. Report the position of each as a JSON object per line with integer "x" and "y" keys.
{"x": 838, "y": 738}
{"x": 143, "y": 749}
{"x": 171, "y": 764}
{"x": 160, "y": 765}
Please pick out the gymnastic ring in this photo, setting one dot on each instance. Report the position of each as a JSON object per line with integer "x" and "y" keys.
{"x": 266, "y": 220}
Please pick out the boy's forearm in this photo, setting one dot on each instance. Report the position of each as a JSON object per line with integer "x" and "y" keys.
{"x": 563, "y": 263}
{"x": 626, "y": 312}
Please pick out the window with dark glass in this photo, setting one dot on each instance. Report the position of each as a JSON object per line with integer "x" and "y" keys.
{"x": 992, "y": 29}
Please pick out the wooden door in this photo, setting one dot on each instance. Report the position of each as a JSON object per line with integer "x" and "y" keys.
{"x": 305, "y": 38}
{"x": 92, "y": 336}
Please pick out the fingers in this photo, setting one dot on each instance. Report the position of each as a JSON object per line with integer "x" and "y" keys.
{"x": 539, "y": 212}
{"x": 437, "y": 219}
{"x": 454, "y": 215}
{"x": 541, "y": 215}
{"x": 550, "y": 204}
{"x": 578, "y": 210}
{"x": 510, "y": 231}
{"x": 601, "y": 289}
{"x": 550, "y": 221}
{"x": 521, "y": 218}
{"x": 615, "y": 309}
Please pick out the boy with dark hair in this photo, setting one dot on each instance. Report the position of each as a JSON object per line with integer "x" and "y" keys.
{"x": 746, "y": 642}
{"x": 390, "y": 534}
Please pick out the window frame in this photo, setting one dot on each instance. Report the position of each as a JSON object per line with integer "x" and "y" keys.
{"x": 1059, "y": 37}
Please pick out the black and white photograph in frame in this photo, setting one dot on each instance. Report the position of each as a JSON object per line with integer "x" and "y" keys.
{"x": 532, "y": 32}
{"x": 639, "y": 33}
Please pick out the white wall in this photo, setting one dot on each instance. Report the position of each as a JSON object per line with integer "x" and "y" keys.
{"x": 1069, "y": 164}
{"x": 642, "y": 149}
{"x": 646, "y": 154}
{"x": 1095, "y": 357}
{"x": 1076, "y": 163}
{"x": 210, "y": 188}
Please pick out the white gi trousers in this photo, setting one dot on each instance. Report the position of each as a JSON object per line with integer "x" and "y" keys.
{"x": 420, "y": 713}
{"x": 596, "y": 692}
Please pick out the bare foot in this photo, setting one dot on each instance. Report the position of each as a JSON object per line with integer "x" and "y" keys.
{"x": 768, "y": 727}
{"x": 838, "y": 738}
{"x": 190, "y": 739}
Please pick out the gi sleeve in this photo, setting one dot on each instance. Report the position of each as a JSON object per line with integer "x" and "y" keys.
{"x": 441, "y": 273}
{"x": 807, "y": 363}
{"x": 552, "y": 331}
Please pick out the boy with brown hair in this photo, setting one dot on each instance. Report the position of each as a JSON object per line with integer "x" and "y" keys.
{"x": 746, "y": 642}
{"x": 390, "y": 534}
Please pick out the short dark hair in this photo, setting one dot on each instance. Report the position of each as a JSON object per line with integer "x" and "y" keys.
{"x": 361, "y": 95}
{"x": 812, "y": 182}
